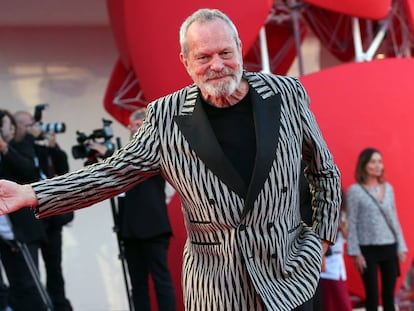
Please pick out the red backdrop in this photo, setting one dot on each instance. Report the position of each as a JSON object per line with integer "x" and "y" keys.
{"x": 370, "y": 104}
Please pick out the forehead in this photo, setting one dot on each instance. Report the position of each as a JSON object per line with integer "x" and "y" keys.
{"x": 23, "y": 118}
{"x": 210, "y": 34}
{"x": 375, "y": 156}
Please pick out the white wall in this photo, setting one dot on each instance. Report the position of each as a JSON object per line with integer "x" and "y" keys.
{"x": 69, "y": 69}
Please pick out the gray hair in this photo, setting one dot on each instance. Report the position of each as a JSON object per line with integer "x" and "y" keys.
{"x": 201, "y": 16}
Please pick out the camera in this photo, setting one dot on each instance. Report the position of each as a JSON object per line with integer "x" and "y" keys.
{"x": 82, "y": 150}
{"x": 56, "y": 127}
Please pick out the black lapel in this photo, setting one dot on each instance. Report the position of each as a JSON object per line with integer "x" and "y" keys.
{"x": 266, "y": 113}
{"x": 197, "y": 130}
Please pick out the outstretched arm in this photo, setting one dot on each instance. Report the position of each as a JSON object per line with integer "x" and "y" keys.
{"x": 14, "y": 196}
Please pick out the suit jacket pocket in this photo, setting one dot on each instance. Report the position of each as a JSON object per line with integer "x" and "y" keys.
{"x": 304, "y": 252}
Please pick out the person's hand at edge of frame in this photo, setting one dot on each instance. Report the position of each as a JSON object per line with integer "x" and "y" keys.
{"x": 14, "y": 196}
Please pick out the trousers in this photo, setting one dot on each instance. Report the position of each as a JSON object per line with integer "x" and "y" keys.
{"x": 148, "y": 258}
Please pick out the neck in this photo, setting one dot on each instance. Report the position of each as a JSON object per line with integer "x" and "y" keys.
{"x": 371, "y": 182}
{"x": 229, "y": 100}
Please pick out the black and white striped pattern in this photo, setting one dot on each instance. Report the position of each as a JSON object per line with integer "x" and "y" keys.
{"x": 242, "y": 253}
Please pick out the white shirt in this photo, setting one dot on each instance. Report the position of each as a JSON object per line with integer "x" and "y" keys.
{"x": 6, "y": 231}
{"x": 335, "y": 264}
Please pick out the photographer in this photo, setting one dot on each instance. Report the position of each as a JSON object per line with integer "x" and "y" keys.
{"x": 49, "y": 161}
{"x": 145, "y": 231}
{"x": 21, "y": 226}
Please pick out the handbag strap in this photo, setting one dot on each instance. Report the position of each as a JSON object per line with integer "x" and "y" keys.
{"x": 381, "y": 210}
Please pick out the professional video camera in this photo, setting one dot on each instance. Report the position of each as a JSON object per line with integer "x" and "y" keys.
{"x": 56, "y": 127}
{"x": 83, "y": 150}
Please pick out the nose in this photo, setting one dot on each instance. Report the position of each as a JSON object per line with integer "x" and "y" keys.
{"x": 216, "y": 63}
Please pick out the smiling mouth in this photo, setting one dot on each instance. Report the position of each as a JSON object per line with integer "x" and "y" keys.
{"x": 217, "y": 78}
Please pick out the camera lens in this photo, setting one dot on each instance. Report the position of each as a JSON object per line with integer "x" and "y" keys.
{"x": 57, "y": 127}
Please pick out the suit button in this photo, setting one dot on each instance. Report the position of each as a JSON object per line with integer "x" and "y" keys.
{"x": 284, "y": 189}
{"x": 242, "y": 227}
{"x": 211, "y": 201}
{"x": 270, "y": 226}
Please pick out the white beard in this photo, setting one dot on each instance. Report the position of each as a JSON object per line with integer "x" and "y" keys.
{"x": 222, "y": 88}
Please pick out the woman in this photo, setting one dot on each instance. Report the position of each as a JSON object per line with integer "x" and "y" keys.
{"x": 375, "y": 240}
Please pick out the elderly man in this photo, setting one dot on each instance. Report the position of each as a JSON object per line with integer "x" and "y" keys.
{"x": 231, "y": 144}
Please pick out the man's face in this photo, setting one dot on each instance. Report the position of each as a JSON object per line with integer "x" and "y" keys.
{"x": 25, "y": 124}
{"x": 214, "y": 59}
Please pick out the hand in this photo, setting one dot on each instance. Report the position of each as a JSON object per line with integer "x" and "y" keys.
{"x": 402, "y": 257}
{"x": 360, "y": 263}
{"x": 14, "y": 196}
{"x": 51, "y": 139}
{"x": 325, "y": 246}
{"x": 99, "y": 148}
{"x": 323, "y": 267}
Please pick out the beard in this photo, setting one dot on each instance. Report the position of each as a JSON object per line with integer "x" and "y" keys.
{"x": 224, "y": 87}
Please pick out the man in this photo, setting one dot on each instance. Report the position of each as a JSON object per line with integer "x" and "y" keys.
{"x": 49, "y": 161}
{"x": 231, "y": 145}
{"x": 145, "y": 231}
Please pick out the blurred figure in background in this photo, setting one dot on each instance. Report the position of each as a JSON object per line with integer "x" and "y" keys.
{"x": 50, "y": 160}
{"x": 335, "y": 296}
{"x": 21, "y": 225}
{"x": 146, "y": 232}
{"x": 375, "y": 240}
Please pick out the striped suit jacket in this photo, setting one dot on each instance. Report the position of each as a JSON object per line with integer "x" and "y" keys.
{"x": 243, "y": 252}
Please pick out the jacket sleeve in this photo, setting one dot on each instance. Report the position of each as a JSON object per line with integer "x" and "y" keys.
{"x": 321, "y": 172}
{"x": 130, "y": 165}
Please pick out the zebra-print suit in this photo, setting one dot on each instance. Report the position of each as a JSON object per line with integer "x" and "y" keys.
{"x": 242, "y": 253}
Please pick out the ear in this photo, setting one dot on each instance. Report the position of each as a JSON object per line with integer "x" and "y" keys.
{"x": 240, "y": 48}
{"x": 183, "y": 60}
